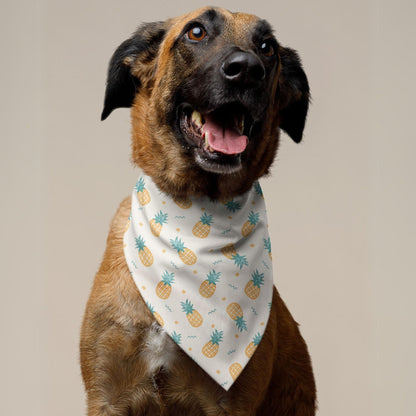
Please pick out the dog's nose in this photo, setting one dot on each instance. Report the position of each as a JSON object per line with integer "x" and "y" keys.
{"x": 243, "y": 67}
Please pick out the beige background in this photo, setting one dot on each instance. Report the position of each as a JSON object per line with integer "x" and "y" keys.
{"x": 342, "y": 204}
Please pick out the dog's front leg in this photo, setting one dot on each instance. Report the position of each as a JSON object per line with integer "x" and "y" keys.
{"x": 292, "y": 390}
{"x": 116, "y": 374}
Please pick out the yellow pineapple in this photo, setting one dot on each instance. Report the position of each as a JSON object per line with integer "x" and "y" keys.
{"x": 145, "y": 254}
{"x": 210, "y": 349}
{"x": 142, "y": 193}
{"x": 229, "y": 251}
{"x": 203, "y": 226}
{"x": 193, "y": 316}
{"x": 158, "y": 318}
{"x": 182, "y": 202}
{"x": 235, "y": 311}
{"x": 164, "y": 287}
{"x": 235, "y": 370}
{"x": 156, "y": 223}
{"x": 127, "y": 225}
{"x": 208, "y": 286}
{"x": 253, "y": 286}
{"x": 253, "y": 345}
{"x": 185, "y": 254}
{"x": 248, "y": 226}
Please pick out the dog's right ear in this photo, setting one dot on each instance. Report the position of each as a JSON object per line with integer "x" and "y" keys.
{"x": 123, "y": 79}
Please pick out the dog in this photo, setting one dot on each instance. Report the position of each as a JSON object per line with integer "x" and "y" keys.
{"x": 227, "y": 69}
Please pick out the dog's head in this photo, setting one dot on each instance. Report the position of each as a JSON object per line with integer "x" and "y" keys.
{"x": 209, "y": 92}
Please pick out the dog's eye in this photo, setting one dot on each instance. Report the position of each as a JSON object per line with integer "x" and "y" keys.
{"x": 197, "y": 33}
{"x": 267, "y": 48}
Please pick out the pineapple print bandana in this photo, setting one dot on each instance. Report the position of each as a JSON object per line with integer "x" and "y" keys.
{"x": 204, "y": 269}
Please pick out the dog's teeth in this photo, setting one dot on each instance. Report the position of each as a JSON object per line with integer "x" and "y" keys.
{"x": 197, "y": 118}
{"x": 207, "y": 145}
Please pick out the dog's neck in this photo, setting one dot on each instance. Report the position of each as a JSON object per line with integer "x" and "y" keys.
{"x": 194, "y": 184}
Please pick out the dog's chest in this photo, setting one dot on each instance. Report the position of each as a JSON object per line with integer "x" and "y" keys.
{"x": 159, "y": 349}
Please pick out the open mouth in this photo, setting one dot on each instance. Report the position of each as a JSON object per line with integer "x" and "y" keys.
{"x": 218, "y": 138}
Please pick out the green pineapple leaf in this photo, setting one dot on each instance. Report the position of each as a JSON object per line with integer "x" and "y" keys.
{"x": 151, "y": 308}
{"x": 176, "y": 337}
{"x": 168, "y": 278}
{"x": 253, "y": 218}
{"x": 258, "y": 189}
{"x": 267, "y": 244}
{"x": 161, "y": 218}
{"x": 216, "y": 337}
{"x": 206, "y": 219}
{"x": 240, "y": 261}
{"x": 187, "y": 307}
{"x": 257, "y": 278}
{"x": 140, "y": 243}
{"x": 241, "y": 323}
{"x": 140, "y": 185}
{"x": 177, "y": 244}
{"x": 257, "y": 339}
{"x": 213, "y": 277}
{"x": 232, "y": 205}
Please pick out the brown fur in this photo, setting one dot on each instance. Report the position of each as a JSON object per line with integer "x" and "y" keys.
{"x": 278, "y": 379}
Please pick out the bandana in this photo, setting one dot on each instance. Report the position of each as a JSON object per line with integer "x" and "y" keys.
{"x": 204, "y": 269}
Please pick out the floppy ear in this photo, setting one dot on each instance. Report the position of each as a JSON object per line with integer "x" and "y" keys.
{"x": 123, "y": 79}
{"x": 294, "y": 94}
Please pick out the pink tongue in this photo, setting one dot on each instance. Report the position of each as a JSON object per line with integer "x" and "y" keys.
{"x": 222, "y": 140}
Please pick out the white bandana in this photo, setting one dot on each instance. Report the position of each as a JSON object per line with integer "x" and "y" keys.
{"x": 204, "y": 269}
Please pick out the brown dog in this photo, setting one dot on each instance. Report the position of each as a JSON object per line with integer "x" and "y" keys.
{"x": 228, "y": 68}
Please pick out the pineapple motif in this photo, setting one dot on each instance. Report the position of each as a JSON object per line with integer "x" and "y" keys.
{"x": 235, "y": 370}
{"x": 210, "y": 349}
{"x": 194, "y": 317}
{"x": 176, "y": 337}
{"x": 248, "y": 226}
{"x": 127, "y": 224}
{"x": 203, "y": 226}
{"x": 164, "y": 287}
{"x": 232, "y": 206}
{"x": 268, "y": 246}
{"x": 253, "y": 345}
{"x": 142, "y": 192}
{"x": 253, "y": 286}
{"x": 208, "y": 286}
{"x": 230, "y": 252}
{"x": 145, "y": 254}
{"x": 156, "y": 223}
{"x": 155, "y": 314}
{"x": 240, "y": 261}
{"x": 258, "y": 189}
{"x": 185, "y": 254}
{"x": 235, "y": 311}
{"x": 182, "y": 202}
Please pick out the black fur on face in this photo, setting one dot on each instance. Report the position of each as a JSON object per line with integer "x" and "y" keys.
{"x": 207, "y": 88}
{"x": 294, "y": 94}
{"x": 122, "y": 85}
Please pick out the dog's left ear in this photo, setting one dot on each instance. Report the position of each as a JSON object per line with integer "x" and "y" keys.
{"x": 130, "y": 64}
{"x": 293, "y": 94}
